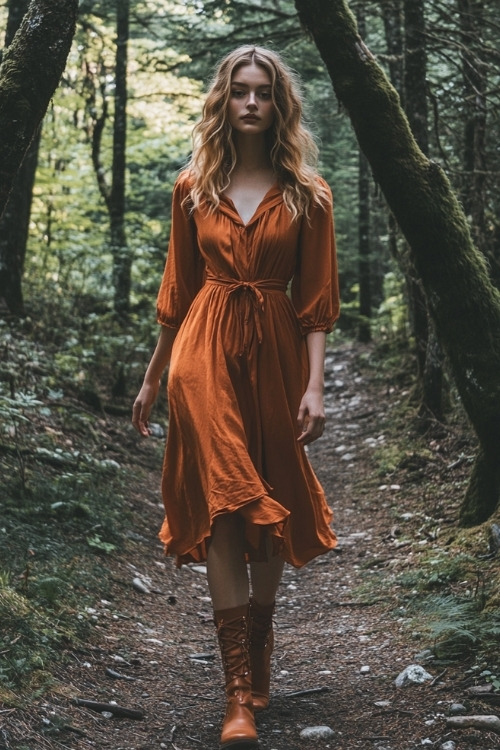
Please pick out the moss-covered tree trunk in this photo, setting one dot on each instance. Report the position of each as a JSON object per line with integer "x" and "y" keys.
{"x": 464, "y": 304}
{"x": 14, "y": 223}
{"x": 30, "y": 72}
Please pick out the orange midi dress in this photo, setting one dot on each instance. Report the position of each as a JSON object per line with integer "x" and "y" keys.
{"x": 238, "y": 371}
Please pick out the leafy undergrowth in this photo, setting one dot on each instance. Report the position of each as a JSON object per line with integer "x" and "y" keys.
{"x": 63, "y": 475}
{"x": 448, "y": 588}
{"x": 56, "y": 531}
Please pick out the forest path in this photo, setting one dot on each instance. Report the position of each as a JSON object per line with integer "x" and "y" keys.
{"x": 339, "y": 640}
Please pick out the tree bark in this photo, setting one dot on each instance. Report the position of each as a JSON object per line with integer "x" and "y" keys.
{"x": 464, "y": 304}
{"x": 17, "y": 10}
{"x": 30, "y": 72}
{"x": 14, "y": 223}
{"x": 364, "y": 265}
{"x": 122, "y": 261}
{"x": 392, "y": 17}
{"x": 475, "y": 103}
{"x": 430, "y": 375}
{"x": 113, "y": 187}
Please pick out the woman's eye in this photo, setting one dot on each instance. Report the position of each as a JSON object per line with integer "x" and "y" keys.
{"x": 236, "y": 93}
{"x": 265, "y": 95}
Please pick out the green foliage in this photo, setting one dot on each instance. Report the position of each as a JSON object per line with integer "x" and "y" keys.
{"x": 445, "y": 605}
{"x": 61, "y": 505}
{"x": 456, "y": 626}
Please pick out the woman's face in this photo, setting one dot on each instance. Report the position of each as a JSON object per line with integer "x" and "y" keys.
{"x": 251, "y": 108}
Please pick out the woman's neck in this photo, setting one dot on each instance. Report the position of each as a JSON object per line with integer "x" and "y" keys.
{"x": 252, "y": 155}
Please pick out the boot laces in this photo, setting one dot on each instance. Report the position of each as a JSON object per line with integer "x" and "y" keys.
{"x": 260, "y": 631}
{"x": 235, "y": 648}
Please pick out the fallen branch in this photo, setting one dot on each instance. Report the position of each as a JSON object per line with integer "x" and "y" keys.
{"x": 309, "y": 691}
{"x": 118, "y": 675}
{"x": 376, "y": 737}
{"x": 369, "y": 603}
{"x": 438, "y": 677}
{"x": 129, "y": 713}
{"x": 488, "y": 723}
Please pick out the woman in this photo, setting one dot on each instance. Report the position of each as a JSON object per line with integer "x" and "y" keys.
{"x": 249, "y": 215}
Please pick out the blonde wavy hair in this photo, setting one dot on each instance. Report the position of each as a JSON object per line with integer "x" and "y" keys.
{"x": 292, "y": 149}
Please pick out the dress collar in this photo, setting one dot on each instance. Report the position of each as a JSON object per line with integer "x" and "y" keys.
{"x": 272, "y": 198}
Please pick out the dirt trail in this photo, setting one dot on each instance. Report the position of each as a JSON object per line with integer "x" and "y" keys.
{"x": 338, "y": 643}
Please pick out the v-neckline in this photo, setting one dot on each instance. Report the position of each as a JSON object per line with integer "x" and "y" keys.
{"x": 258, "y": 208}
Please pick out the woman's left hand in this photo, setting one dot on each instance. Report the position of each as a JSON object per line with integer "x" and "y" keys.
{"x": 311, "y": 418}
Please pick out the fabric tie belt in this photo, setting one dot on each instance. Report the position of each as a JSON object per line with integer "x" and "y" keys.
{"x": 251, "y": 293}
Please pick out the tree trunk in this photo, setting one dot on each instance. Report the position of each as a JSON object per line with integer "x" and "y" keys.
{"x": 464, "y": 304}
{"x": 14, "y": 223}
{"x": 475, "y": 104}
{"x": 415, "y": 72}
{"x": 364, "y": 266}
{"x": 113, "y": 188}
{"x": 14, "y": 229}
{"x": 122, "y": 261}
{"x": 17, "y": 10}
{"x": 30, "y": 72}
{"x": 392, "y": 17}
{"x": 415, "y": 99}
{"x": 364, "y": 269}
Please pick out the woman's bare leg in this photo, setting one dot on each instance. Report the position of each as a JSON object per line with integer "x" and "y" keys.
{"x": 266, "y": 577}
{"x": 227, "y": 572}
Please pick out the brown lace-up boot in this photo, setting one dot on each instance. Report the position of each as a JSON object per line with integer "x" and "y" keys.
{"x": 261, "y": 648}
{"x": 238, "y": 728}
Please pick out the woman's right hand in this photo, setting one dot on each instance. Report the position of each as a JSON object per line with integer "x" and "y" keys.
{"x": 143, "y": 405}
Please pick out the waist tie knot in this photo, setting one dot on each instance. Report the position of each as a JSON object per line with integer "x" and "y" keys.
{"x": 252, "y": 297}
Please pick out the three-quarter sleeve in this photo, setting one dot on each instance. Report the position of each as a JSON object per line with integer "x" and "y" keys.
{"x": 315, "y": 288}
{"x": 184, "y": 269}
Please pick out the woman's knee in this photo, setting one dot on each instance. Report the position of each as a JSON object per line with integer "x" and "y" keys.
{"x": 228, "y": 526}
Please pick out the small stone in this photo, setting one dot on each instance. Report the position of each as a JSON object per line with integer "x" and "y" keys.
{"x": 365, "y": 670}
{"x": 457, "y": 708}
{"x": 425, "y": 655}
{"x": 317, "y": 733}
{"x": 414, "y": 674}
{"x": 450, "y": 745}
{"x": 108, "y": 463}
{"x": 156, "y": 430}
{"x": 140, "y": 586}
{"x": 199, "y": 569}
{"x": 106, "y": 714}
